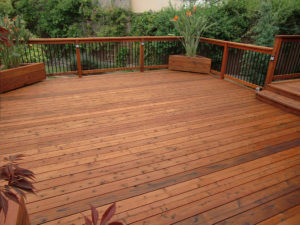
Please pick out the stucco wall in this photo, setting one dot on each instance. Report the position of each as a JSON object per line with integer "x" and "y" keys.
{"x": 119, "y": 3}
{"x": 139, "y": 5}
{"x": 154, "y": 5}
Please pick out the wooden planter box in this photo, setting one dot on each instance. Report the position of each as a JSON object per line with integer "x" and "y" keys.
{"x": 196, "y": 64}
{"x": 16, "y": 215}
{"x": 21, "y": 76}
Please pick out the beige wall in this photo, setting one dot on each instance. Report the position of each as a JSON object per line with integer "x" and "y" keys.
{"x": 154, "y": 5}
{"x": 119, "y": 3}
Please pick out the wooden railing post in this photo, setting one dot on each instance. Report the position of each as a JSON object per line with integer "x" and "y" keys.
{"x": 142, "y": 55}
{"x": 224, "y": 61}
{"x": 79, "y": 70}
{"x": 273, "y": 60}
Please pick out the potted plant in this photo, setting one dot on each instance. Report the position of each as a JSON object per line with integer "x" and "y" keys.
{"x": 15, "y": 182}
{"x": 190, "y": 25}
{"x": 14, "y": 74}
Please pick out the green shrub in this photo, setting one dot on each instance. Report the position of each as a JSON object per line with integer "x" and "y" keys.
{"x": 6, "y": 8}
{"x": 12, "y": 43}
{"x": 154, "y": 23}
{"x": 112, "y": 22}
{"x": 35, "y": 53}
{"x": 231, "y": 20}
{"x": 54, "y": 18}
{"x": 123, "y": 56}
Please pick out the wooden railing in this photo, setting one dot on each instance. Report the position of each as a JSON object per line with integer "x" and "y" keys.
{"x": 285, "y": 61}
{"x": 244, "y": 63}
{"x": 111, "y": 47}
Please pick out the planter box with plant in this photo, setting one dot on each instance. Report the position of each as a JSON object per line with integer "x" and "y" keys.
{"x": 13, "y": 74}
{"x": 190, "y": 25}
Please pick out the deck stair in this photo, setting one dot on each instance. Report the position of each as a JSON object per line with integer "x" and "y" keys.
{"x": 283, "y": 94}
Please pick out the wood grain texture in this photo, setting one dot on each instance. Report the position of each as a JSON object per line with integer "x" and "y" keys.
{"x": 250, "y": 47}
{"x": 168, "y": 147}
{"x": 11, "y": 79}
{"x": 196, "y": 64}
{"x": 284, "y": 217}
{"x": 286, "y": 76}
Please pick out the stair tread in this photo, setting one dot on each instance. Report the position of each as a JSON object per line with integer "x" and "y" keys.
{"x": 292, "y": 103}
{"x": 286, "y": 87}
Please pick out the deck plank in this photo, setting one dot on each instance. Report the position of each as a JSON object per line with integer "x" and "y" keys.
{"x": 158, "y": 143}
{"x": 266, "y": 210}
{"x": 283, "y": 217}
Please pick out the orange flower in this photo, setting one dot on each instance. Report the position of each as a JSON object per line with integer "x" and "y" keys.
{"x": 188, "y": 13}
{"x": 194, "y": 8}
{"x": 176, "y": 18}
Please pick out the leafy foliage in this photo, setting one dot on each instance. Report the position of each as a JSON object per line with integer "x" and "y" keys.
{"x": 111, "y": 22}
{"x": 106, "y": 217}
{"x": 123, "y": 56}
{"x": 19, "y": 182}
{"x": 191, "y": 26}
{"x": 274, "y": 17}
{"x": 154, "y": 23}
{"x": 266, "y": 28}
{"x": 6, "y": 8}
{"x": 55, "y": 18}
{"x": 35, "y": 53}
{"x": 13, "y": 37}
{"x": 235, "y": 20}
{"x": 230, "y": 18}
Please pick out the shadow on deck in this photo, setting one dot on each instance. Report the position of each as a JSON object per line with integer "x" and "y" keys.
{"x": 168, "y": 147}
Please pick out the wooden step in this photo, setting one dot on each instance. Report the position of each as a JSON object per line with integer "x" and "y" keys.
{"x": 283, "y": 102}
{"x": 285, "y": 90}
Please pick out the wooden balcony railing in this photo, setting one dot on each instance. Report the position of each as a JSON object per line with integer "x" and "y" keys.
{"x": 244, "y": 63}
{"x": 285, "y": 62}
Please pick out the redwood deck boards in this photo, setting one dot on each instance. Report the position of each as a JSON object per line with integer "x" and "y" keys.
{"x": 168, "y": 147}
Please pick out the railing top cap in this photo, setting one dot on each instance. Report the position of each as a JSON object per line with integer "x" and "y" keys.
{"x": 104, "y": 38}
{"x": 288, "y": 36}
{"x": 146, "y": 38}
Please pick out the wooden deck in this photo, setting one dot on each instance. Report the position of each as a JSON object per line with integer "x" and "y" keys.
{"x": 168, "y": 147}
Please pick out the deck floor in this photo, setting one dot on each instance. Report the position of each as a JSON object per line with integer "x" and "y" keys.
{"x": 167, "y": 147}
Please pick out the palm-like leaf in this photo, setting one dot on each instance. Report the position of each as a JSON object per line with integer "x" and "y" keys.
{"x": 18, "y": 180}
{"x": 191, "y": 26}
{"x": 108, "y": 214}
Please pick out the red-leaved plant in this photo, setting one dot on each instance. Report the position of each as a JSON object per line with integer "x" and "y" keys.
{"x": 4, "y": 33}
{"x": 17, "y": 182}
{"x": 106, "y": 217}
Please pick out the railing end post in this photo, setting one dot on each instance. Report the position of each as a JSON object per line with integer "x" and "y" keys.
{"x": 79, "y": 69}
{"x": 224, "y": 61}
{"x": 273, "y": 60}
